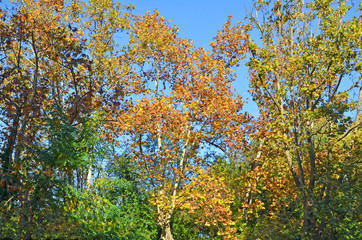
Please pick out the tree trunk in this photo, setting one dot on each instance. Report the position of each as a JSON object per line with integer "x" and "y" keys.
{"x": 308, "y": 219}
{"x": 89, "y": 178}
{"x": 166, "y": 232}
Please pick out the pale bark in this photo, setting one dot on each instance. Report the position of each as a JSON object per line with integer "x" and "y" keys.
{"x": 359, "y": 106}
{"x": 166, "y": 232}
{"x": 89, "y": 178}
{"x": 164, "y": 217}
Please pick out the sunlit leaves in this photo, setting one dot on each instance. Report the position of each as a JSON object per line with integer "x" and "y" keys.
{"x": 299, "y": 78}
{"x": 184, "y": 99}
{"x": 208, "y": 201}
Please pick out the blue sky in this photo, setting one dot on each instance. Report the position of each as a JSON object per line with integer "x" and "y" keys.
{"x": 198, "y": 20}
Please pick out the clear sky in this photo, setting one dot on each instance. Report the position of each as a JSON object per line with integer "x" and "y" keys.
{"x": 200, "y": 20}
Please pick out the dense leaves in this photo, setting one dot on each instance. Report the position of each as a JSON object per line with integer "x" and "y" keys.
{"x": 302, "y": 79}
{"x": 112, "y": 126}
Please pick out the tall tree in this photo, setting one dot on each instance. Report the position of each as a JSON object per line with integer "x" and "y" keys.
{"x": 182, "y": 99}
{"x": 54, "y": 55}
{"x": 303, "y": 78}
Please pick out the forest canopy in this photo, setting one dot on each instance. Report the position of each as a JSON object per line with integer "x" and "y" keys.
{"x": 113, "y": 126}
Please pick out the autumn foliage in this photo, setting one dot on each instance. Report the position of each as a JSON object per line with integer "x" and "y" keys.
{"x": 115, "y": 127}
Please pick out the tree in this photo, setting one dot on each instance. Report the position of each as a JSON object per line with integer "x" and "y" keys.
{"x": 53, "y": 56}
{"x": 191, "y": 104}
{"x": 303, "y": 77}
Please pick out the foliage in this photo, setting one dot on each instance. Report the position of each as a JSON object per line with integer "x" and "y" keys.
{"x": 112, "y": 209}
{"x": 308, "y": 135}
{"x": 190, "y": 104}
{"x": 43, "y": 178}
{"x": 145, "y": 138}
{"x": 208, "y": 202}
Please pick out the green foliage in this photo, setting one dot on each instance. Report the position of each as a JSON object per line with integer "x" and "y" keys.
{"x": 184, "y": 227}
{"x": 42, "y": 186}
{"x": 112, "y": 209}
{"x": 69, "y": 146}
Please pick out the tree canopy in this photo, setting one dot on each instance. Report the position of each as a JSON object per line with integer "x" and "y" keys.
{"x": 115, "y": 127}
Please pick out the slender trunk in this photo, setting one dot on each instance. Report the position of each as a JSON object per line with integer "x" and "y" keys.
{"x": 164, "y": 218}
{"x": 6, "y": 156}
{"x": 166, "y": 233}
{"x": 166, "y": 230}
{"x": 89, "y": 177}
{"x": 358, "y": 107}
{"x": 308, "y": 222}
